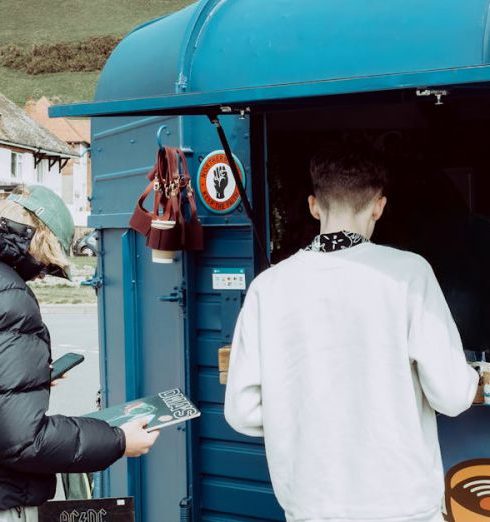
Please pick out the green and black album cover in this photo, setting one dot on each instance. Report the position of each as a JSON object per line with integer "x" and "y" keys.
{"x": 165, "y": 408}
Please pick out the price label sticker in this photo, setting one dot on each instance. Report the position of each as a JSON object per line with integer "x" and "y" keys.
{"x": 229, "y": 279}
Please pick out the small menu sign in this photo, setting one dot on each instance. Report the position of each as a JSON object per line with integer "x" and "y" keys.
{"x": 229, "y": 279}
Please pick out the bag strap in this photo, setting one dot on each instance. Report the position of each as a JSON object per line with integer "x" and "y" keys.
{"x": 160, "y": 181}
{"x": 188, "y": 185}
{"x": 151, "y": 186}
{"x": 172, "y": 187}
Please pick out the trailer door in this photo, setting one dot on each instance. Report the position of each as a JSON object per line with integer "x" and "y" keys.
{"x": 141, "y": 312}
{"x": 231, "y": 480}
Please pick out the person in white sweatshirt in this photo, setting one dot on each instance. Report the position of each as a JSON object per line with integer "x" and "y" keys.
{"x": 341, "y": 357}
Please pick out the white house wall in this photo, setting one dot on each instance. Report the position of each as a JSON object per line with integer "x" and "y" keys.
{"x": 76, "y": 201}
{"x": 4, "y": 166}
{"x": 28, "y": 174}
{"x": 78, "y": 204}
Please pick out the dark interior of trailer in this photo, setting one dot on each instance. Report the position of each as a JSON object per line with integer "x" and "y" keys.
{"x": 439, "y": 195}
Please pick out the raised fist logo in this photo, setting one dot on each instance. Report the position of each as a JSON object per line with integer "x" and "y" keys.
{"x": 220, "y": 177}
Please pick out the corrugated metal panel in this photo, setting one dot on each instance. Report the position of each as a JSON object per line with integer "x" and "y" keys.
{"x": 255, "y": 499}
{"x": 232, "y": 474}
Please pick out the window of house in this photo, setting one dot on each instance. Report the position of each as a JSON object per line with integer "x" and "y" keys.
{"x": 16, "y": 165}
{"x": 67, "y": 187}
{"x": 41, "y": 170}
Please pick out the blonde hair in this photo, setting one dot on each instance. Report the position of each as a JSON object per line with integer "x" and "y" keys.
{"x": 45, "y": 246}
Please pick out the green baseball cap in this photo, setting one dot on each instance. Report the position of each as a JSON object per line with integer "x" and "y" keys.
{"x": 50, "y": 209}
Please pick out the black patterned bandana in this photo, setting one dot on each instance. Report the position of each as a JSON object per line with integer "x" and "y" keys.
{"x": 336, "y": 241}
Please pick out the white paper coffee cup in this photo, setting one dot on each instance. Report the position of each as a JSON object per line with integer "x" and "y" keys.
{"x": 162, "y": 256}
{"x": 162, "y": 224}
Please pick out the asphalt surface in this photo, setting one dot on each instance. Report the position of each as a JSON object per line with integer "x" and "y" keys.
{"x": 74, "y": 329}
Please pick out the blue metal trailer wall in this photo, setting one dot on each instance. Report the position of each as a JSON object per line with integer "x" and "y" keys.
{"x": 225, "y": 56}
{"x": 143, "y": 337}
{"x": 142, "y": 333}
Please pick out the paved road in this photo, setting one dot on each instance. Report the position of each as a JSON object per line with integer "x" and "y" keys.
{"x": 74, "y": 329}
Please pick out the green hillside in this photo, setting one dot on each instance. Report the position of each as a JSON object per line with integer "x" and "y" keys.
{"x": 55, "y": 21}
{"x": 63, "y": 87}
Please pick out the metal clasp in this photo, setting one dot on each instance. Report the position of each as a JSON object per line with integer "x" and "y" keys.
{"x": 95, "y": 282}
{"x": 171, "y": 189}
{"x": 176, "y": 296}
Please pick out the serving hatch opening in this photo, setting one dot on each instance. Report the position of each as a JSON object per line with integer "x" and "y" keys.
{"x": 439, "y": 195}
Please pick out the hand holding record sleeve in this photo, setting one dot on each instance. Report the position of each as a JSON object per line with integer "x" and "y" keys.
{"x": 158, "y": 411}
{"x": 138, "y": 440}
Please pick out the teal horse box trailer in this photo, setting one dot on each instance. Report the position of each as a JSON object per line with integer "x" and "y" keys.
{"x": 276, "y": 79}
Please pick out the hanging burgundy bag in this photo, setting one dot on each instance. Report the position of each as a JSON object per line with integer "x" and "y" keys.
{"x": 193, "y": 233}
{"x": 173, "y": 223}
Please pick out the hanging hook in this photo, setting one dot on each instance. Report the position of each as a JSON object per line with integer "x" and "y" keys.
{"x": 159, "y": 135}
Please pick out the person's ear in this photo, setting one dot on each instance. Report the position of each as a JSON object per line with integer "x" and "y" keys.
{"x": 313, "y": 204}
{"x": 379, "y": 207}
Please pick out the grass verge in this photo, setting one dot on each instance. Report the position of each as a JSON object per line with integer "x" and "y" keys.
{"x": 53, "y": 290}
{"x": 64, "y": 294}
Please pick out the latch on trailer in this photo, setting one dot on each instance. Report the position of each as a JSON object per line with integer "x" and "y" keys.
{"x": 178, "y": 295}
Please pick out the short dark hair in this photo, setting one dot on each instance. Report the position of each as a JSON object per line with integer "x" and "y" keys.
{"x": 347, "y": 174}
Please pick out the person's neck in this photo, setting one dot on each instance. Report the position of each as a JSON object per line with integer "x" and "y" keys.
{"x": 348, "y": 223}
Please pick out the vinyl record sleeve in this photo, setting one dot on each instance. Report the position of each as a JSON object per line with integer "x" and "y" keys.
{"x": 165, "y": 409}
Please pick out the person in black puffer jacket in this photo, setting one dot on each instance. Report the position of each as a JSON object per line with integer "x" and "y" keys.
{"x": 34, "y": 228}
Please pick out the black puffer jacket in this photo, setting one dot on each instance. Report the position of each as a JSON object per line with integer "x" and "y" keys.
{"x": 34, "y": 446}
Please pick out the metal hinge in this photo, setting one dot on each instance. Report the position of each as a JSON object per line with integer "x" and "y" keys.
{"x": 186, "y": 509}
{"x": 177, "y": 296}
{"x": 182, "y": 82}
{"x": 95, "y": 282}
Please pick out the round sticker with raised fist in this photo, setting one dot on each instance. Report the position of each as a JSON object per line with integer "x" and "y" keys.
{"x": 216, "y": 185}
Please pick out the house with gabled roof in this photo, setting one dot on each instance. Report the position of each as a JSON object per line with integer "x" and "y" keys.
{"x": 76, "y": 178}
{"x": 29, "y": 153}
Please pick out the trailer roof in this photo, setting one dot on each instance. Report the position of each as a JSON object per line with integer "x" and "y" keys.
{"x": 226, "y": 54}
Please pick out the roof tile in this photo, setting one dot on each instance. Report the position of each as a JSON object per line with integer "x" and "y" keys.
{"x": 18, "y": 128}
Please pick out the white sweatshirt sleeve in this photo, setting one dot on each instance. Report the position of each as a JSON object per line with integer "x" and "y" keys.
{"x": 447, "y": 380}
{"x": 243, "y": 401}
